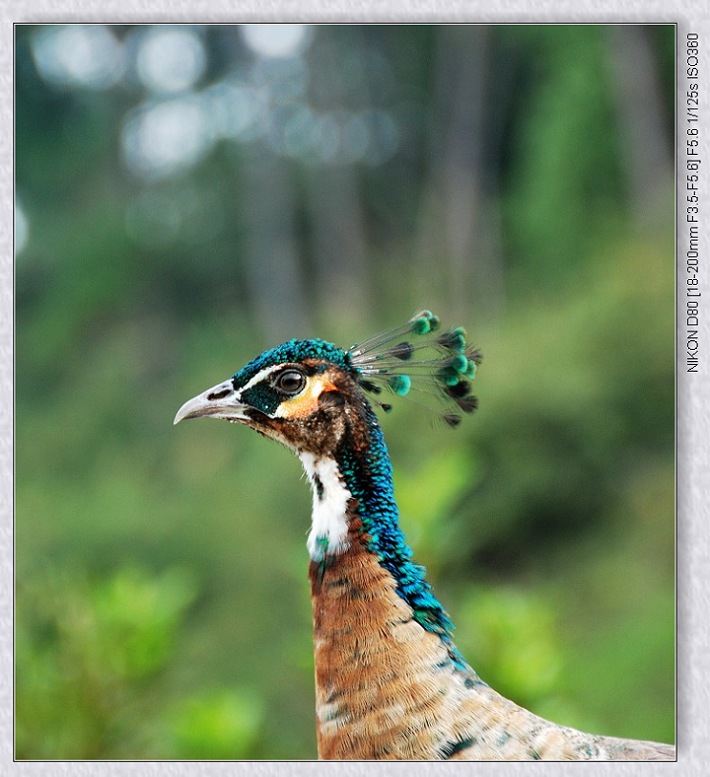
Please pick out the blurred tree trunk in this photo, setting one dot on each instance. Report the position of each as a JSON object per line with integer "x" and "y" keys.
{"x": 338, "y": 244}
{"x": 332, "y": 189}
{"x": 458, "y": 243}
{"x": 271, "y": 263}
{"x": 647, "y": 153}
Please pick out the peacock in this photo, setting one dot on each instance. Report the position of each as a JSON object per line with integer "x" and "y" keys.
{"x": 390, "y": 682}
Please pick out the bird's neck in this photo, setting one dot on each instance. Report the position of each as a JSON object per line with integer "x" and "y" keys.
{"x": 379, "y": 630}
{"x": 353, "y": 503}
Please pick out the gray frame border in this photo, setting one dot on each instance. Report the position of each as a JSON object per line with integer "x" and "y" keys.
{"x": 693, "y": 390}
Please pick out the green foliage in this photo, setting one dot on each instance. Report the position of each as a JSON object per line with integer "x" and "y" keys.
{"x": 556, "y": 171}
{"x": 93, "y": 655}
{"x": 89, "y": 652}
{"x": 427, "y": 494}
{"x": 513, "y": 636}
{"x": 214, "y": 725}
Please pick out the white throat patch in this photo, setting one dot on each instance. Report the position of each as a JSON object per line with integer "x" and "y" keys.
{"x": 329, "y": 526}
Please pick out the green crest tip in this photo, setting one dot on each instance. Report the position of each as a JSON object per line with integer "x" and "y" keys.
{"x": 421, "y": 326}
{"x": 400, "y": 384}
{"x": 459, "y": 363}
{"x": 424, "y": 322}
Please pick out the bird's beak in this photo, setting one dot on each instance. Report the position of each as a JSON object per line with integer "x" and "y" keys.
{"x": 220, "y": 401}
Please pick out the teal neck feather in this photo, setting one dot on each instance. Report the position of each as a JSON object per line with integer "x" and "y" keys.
{"x": 367, "y": 472}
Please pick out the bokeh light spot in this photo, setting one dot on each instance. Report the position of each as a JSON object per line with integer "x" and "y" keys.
{"x": 22, "y": 229}
{"x": 88, "y": 55}
{"x": 170, "y": 59}
{"x": 236, "y": 111}
{"x": 164, "y": 138}
{"x": 276, "y": 40}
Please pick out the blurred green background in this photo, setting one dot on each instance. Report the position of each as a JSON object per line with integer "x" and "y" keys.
{"x": 188, "y": 196}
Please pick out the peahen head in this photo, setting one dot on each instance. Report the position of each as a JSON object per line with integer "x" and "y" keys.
{"x": 308, "y": 394}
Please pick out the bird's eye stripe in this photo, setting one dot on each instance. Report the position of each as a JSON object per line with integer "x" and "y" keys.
{"x": 255, "y": 379}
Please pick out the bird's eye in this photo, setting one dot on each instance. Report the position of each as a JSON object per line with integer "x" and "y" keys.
{"x": 291, "y": 382}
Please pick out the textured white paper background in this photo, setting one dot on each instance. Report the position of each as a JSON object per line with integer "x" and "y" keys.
{"x": 693, "y": 391}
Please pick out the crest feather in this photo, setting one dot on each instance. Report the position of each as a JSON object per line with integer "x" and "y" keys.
{"x": 439, "y": 365}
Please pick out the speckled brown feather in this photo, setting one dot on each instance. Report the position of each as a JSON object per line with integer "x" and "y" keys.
{"x": 385, "y": 688}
